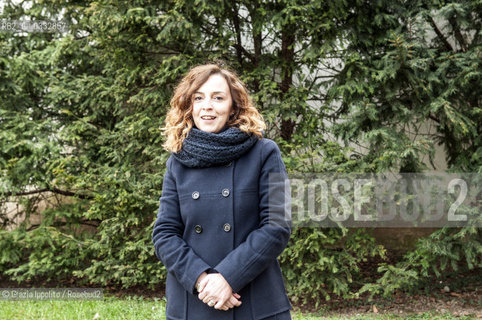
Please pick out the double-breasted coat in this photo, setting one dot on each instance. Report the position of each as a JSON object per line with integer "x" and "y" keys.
{"x": 232, "y": 219}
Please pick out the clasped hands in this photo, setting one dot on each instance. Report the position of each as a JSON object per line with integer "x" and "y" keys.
{"x": 216, "y": 292}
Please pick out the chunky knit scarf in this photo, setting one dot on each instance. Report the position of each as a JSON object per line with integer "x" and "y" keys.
{"x": 203, "y": 149}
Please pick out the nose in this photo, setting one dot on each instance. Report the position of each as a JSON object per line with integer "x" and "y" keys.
{"x": 207, "y": 105}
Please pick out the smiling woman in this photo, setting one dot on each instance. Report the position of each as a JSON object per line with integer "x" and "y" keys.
{"x": 222, "y": 215}
{"x": 212, "y": 104}
{"x": 193, "y": 89}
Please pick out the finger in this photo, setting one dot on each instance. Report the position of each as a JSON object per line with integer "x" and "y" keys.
{"x": 235, "y": 302}
{"x": 229, "y": 303}
{"x": 202, "y": 295}
{"x": 202, "y": 284}
{"x": 220, "y": 303}
{"x": 237, "y": 296}
{"x": 204, "y": 287}
{"x": 207, "y": 299}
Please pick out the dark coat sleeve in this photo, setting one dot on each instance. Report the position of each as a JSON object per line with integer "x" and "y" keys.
{"x": 265, "y": 244}
{"x": 169, "y": 245}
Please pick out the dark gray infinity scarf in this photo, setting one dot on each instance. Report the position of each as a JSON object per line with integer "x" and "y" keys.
{"x": 203, "y": 149}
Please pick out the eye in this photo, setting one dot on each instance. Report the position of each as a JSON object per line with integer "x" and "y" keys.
{"x": 197, "y": 98}
{"x": 218, "y": 98}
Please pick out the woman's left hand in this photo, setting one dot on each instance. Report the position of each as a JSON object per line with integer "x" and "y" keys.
{"x": 214, "y": 288}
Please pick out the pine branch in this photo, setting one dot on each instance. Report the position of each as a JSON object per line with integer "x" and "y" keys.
{"x": 458, "y": 34}
{"x": 65, "y": 223}
{"x": 431, "y": 116}
{"x": 54, "y": 190}
{"x": 440, "y": 35}
{"x": 238, "y": 33}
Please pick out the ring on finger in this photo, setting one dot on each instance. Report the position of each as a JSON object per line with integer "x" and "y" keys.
{"x": 211, "y": 303}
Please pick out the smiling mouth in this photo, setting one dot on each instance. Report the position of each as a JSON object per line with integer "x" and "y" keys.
{"x": 208, "y": 117}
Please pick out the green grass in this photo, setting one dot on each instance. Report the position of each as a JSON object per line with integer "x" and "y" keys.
{"x": 427, "y": 316}
{"x": 139, "y": 308}
{"x": 109, "y": 308}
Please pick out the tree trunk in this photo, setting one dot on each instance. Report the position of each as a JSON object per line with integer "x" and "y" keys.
{"x": 287, "y": 57}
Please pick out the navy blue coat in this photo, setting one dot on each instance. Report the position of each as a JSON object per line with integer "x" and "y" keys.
{"x": 231, "y": 219}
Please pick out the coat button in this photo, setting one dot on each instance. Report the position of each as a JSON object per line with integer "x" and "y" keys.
{"x": 225, "y": 192}
{"x": 227, "y": 227}
{"x": 195, "y": 195}
{"x": 198, "y": 229}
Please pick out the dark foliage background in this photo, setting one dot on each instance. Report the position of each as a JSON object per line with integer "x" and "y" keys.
{"x": 345, "y": 86}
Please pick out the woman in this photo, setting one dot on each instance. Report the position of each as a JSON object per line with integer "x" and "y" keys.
{"x": 222, "y": 219}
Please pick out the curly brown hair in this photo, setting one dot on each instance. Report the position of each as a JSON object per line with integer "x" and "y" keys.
{"x": 179, "y": 119}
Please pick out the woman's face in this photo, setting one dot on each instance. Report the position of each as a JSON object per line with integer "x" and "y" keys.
{"x": 212, "y": 104}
